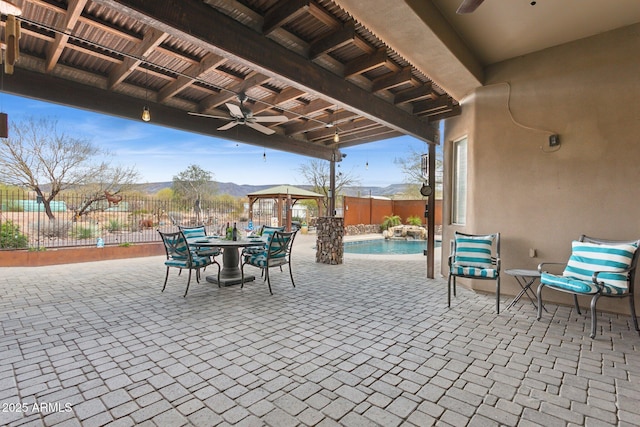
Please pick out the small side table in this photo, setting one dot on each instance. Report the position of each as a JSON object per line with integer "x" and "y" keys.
{"x": 525, "y": 278}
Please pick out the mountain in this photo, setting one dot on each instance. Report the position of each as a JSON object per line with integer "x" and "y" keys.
{"x": 241, "y": 190}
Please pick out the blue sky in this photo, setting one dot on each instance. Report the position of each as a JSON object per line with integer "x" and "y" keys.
{"x": 159, "y": 153}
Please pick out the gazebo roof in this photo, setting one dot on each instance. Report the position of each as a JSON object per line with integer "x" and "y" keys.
{"x": 280, "y": 191}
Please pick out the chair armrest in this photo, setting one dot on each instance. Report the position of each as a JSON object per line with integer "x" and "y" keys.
{"x": 594, "y": 278}
{"x": 542, "y": 265}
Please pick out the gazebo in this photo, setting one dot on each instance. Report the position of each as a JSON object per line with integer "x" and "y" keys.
{"x": 284, "y": 195}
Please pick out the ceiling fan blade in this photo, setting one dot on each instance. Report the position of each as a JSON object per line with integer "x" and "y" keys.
{"x": 261, "y": 128}
{"x": 210, "y": 116}
{"x": 270, "y": 119}
{"x": 228, "y": 125}
{"x": 234, "y": 110}
{"x": 468, "y": 6}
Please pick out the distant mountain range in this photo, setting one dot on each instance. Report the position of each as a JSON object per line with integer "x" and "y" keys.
{"x": 241, "y": 190}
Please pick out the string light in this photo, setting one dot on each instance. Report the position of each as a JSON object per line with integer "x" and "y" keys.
{"x": 146, "y": 114}
{"x": 336, "y": 137}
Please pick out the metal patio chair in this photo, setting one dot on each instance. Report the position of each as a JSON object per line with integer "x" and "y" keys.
{"x": 276, "y": 254}
{"x": 596, "y": 268}
{"x": 475, "y": 256}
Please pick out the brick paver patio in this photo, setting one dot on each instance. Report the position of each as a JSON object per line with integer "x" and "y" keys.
{"x": 369, "y": 342}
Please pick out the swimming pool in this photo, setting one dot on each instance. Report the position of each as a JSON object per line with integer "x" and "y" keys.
{"x": 384, "y": 246}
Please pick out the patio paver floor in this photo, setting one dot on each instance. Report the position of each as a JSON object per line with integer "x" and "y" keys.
{"x": 368, "y": 342}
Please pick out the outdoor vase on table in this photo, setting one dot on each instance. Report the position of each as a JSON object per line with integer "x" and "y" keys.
{"x": 230, "y": 273}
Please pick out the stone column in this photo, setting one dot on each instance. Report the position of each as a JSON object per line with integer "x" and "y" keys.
{"x": 329, "y": 245}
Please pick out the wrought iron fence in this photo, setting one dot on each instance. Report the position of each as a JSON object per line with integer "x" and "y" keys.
{"x": 78, "y": 221}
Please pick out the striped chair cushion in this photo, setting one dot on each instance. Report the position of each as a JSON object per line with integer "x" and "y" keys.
{"x": 586, "y": 258}
{"x": 207, "y": 251}
{"x": 197, "y": 261}
{"x": 460, "y": 270}
{"x": 250, "y": 250}
{"x": 191, "y": 233}
{"x": 473, "y": 251}
{"x": 571, "y": 284}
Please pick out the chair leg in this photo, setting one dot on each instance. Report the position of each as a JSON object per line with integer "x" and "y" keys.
{"x": 188, "y": 283}
{"x": 575, "y": 302}
{"x": 539, "y": 294}
{"x": 241, "y": 276}
{"x": 632, "y": 308}
{"x": 218, "y": 273}
{"x": 165, "y": 280}
{"x": 266, "y": 274}
{"x": 291, "y": 274}
{"x": 498, "y": 295}
{"x": 449, "y": 291}
{"x": 594, "y": 319}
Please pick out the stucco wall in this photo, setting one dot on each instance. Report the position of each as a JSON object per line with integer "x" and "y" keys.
{"x": 540, "y": 197}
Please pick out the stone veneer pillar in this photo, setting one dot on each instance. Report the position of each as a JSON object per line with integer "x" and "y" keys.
{"x": 329, "y": 245}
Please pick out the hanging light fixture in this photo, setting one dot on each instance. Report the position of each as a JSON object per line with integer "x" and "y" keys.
{"x": 264, "y": 156}
{"x": 366, "y": 165}
{"x": 336, "y": 137}
{"x": 146, "y": 114}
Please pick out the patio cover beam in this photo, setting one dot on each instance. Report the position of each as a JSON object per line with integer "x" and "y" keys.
{"x": 205, "y": 27}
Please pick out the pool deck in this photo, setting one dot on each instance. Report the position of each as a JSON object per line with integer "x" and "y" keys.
{"x": 370, "y": 342}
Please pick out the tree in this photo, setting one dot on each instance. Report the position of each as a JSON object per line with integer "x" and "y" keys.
{"x": 38, "y": 155}
{"x": 316, "y": 173}
{"x": 411, "y": 166}
{"x": 191, "y": 185}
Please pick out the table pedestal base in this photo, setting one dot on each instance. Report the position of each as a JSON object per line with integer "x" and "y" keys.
{"x": 230, "y": 273}
{"x": 228, "y": 281}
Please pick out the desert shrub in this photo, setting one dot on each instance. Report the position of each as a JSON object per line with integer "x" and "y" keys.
{"x": 53, "y": 229}
{"x": 414, "y": 220}
{"x": 11, "y": 237}
{"x": 114, "y": 225}
{"x": 84, "y": 233}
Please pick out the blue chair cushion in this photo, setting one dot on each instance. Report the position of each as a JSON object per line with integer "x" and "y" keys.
{"x": 197, "y": 261}
{"x": 473, "y": 251}
{"x": 257, "y": 259}
{"x": 463, "y": 270}
{"x": 587, "y": 258}
{"x": 191, "y": 233}
{"x": 250, "y": 250}
{"x": 207, "y": 252}
{"x": 572, "y": 284}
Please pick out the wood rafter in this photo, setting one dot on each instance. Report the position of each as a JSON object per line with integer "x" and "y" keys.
{"x": 69, "y": 20}
{"x": 191, "y": 21}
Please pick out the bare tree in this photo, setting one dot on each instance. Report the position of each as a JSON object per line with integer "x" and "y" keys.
{"x": 316, "y": 173}
{"x": 39, "y": 156}
{"x": 411, "y": 167}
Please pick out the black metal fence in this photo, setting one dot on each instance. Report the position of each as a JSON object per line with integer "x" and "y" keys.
{"x": 24, "y": 224}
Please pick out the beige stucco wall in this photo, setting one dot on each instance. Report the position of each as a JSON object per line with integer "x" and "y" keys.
{"x": 538, "y": 197}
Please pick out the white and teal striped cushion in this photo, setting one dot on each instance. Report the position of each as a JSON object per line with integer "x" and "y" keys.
{"x": 473, "y": 251}
{"x": 194, "y": 232}
{"x": 571, "y": 284}
{"x": 486, "y": 273}
{"x": 586, "y": 258}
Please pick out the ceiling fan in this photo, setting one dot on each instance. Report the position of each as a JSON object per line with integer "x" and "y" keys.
{"x": 241, "y": 115}
{"x": 468, "y": 6}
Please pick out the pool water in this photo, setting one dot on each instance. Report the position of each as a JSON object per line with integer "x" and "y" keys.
{"x": 383, "y": 246}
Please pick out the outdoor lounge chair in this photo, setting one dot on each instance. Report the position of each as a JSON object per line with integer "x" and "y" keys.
{"x": 276, "y": 254}
{"x": 597, "y": 267}
{"x": 475, "y": 257}
{"x": 180, "y": 256}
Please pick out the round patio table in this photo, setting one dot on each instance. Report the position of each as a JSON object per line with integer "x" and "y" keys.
{"x": 230, "y": 273}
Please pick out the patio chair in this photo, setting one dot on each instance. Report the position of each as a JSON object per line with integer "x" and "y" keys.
{"x": 180, "y": 256}
{"x": 266, "y": 232}
{"x": 276, "y": 254}
{"x": 475, "y": 257}
{"x": 596, "y": 267}
{"x": 200, "y": 231}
